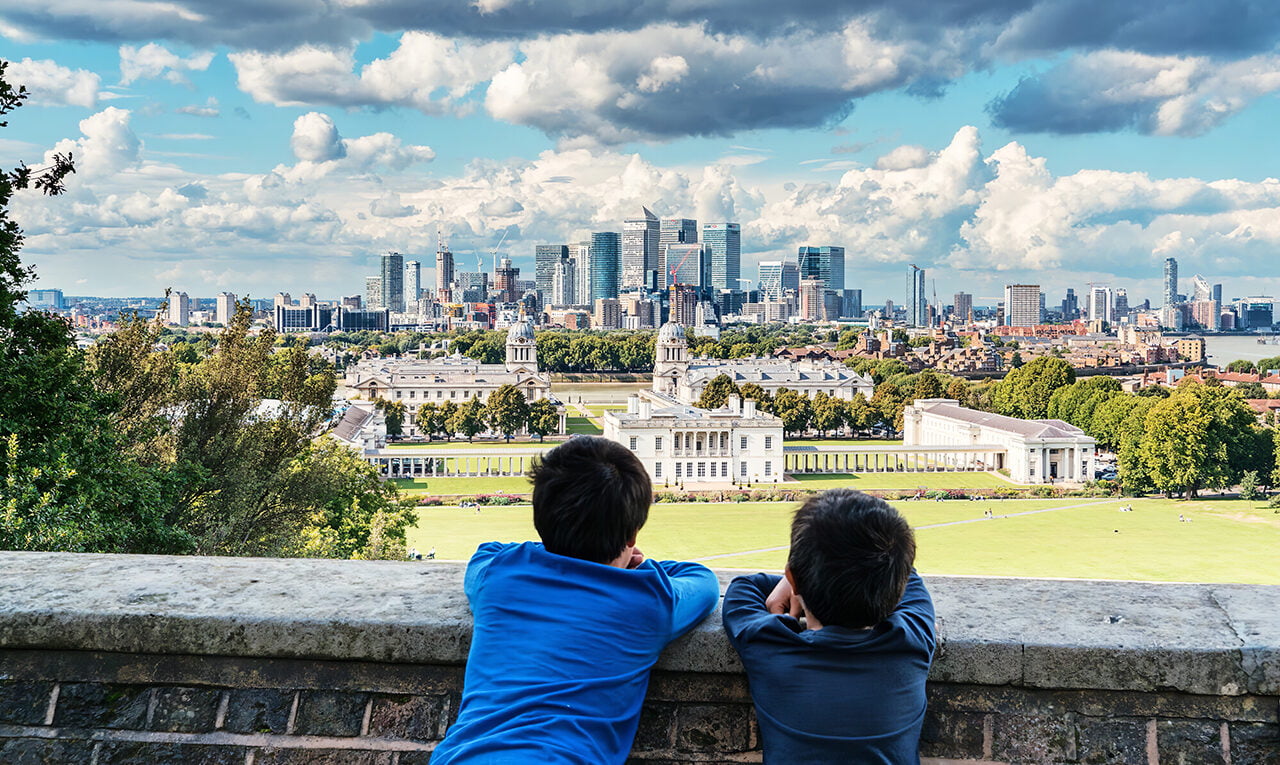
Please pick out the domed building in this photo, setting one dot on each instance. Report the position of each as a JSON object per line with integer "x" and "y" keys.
{"x": 453, "y": 378}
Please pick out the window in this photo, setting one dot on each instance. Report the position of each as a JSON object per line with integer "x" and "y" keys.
{"x": 634, "y": 443}
{"x": 688, "y": 469}
{"x": 413, "y": 394}
{"x": 743, "y": 443}
{"x": 657, "y": 470}
{"x": 677, "y": 470}
{"x": 702, "y": 470}
{"x": 398, "y": 394}
{"x": 439, "y": 394}
{"x": 768, "y": 468}
{"x": 768, "y": 442}
{"x": 657, "y": 443}
{"x": 453, "y": 394}
{"x": 724, "y": 469}
{"x": 742, "y": 469}
{"x": 713, "y": 470}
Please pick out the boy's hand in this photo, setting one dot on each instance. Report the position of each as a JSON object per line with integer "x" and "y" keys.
{"x": 637, "y": 558}
{"x": 783, "y": 600}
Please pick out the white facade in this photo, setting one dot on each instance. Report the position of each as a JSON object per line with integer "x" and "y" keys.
{"x": 1021, "y": 305}
{"x": 1036, "y": 451}
{"x": 676, "y": 375}
{"x": 179, "y": 309}
{"x": 225, "y": 307}
{"x": 685, "y": 446}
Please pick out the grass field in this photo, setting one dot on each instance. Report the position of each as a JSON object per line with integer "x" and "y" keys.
{"x": 462, "y": 445}
{"x": 583, "y": 426}
{"x": 470, "y": 485}
{"x": 1226, "y": 540}
{"x": 903, "y": 481}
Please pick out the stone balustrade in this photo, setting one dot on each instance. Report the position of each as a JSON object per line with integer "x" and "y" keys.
{"x": 148, "y": 659}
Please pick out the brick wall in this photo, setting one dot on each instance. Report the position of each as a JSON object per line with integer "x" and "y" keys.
{"x": 177, "y": 667}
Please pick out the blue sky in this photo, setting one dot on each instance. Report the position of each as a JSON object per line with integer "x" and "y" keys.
{"x": 285, "y": 144}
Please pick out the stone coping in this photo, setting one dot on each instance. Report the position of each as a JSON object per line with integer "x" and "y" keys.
{"x": 1206, "y": 639}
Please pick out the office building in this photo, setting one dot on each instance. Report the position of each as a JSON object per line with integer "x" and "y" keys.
{"x": 372, "y": 293}
{"x": 179, "y": 309}
{"x": 351, "y": 302}
{"x": 546, "y": 258}
{"x": 470, "y": 287}
{"x": 777, "y": 278}
{"x": 641, "y": 239}
{"x": 812, "y": 307}
{"x": 580, "y": 254}
{"x": 1021, "y": 305}
{"x": 283, "y": 299}
{"x": 962, "y": 307}
{"x": 307, "y": 300}
{"x": 44, "y": 298}
{"x": 564, "y": 278}
{"x": 851, "y": 304}
{"x": 412, "y": 282}
{"x": 1170, "y": 281}
{"x": 608, "y": 314}
{"x": 684, "y": 264}
{"x": 825, "y": 263}
{"x": 505, "y": 279}
{"x": 722, "y": 243}
{"x": 444, "y": 273}
{"x": 1101, "y": 304}
{"x": 1217, "y": 294}
{"x": 673, "y": 231}
{"x": 224, "y": 307}
{"x": 606, "y": 264}
{"x": 392, "y": 285}
{"x": 916, "y": 302}
{"x": 1070, "y": 306}
{"x": 682, "y": 305}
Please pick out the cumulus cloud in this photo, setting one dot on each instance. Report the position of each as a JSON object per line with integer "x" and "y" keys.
{"x": 52, "y": 85}
{"x": 152, "y": 61}
{"x": 315, "y": 138}
{"x": 1116, "y": 90}
{"x": 107, "y": 145}
{"x": 321, "y": 150}
{"x": 209, "y": 109}
{"x": 426, "y": 72}
{"x": 903, "y": 158}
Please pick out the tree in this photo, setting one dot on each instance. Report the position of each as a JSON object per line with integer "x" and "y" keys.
{"x": 717, "y": 392}
{"x": 756, "y": 393}
{"x": 1025, "y": 391}
{"x": 928, "y": 384}
{"x": 393, "y": 411}
{"x": 1250, "y": 390}
{"x": 543, "y": 417}
{"x": 1242, "y": 366}
{"x": 1249, "y": 485}
{"x": 794, "y": 409}
{"x": 427, "y": 418}
{"x": 469, "y": 418}
{"x": 507, "y": 411}
{"x": 448, "y": 414}
{"x": 858, "y": 413}
{"x": 888, "y": 402}
{"x": 828, "y": 413}
{"x": 1199, "y": 437}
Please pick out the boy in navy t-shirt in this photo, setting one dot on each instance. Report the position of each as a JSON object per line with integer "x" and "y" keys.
{"x": 566, "y": 631}
{"x": 849, "y": 685}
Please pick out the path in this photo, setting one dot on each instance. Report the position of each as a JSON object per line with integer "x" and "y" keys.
{"x": 926, "y": 526}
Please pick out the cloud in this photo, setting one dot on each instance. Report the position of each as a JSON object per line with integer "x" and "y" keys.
{"x": 52, "y": 85}
{"x": 107, "y": 145}
{"x": 210, "y": 109}
{"x": 152, "y": 61}
{"x": 389, "y": 206}
{"x": 315, "y": 139}
{"x": 425, "y": 72}
{"x": 1112, "y": 91}
{"x": 903, "y": 158}
{"x": 321, "y": 151}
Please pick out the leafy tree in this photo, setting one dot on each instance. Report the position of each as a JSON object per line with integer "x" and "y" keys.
{"x": 1241, "y": 365}
{"x": 794, "y": 409}
{"x": 858, "y": 413}
{"x": 448, "y": 414}
{"x": 1199, "y": 437}
{"x": 1153, "y": 391}
{"x": 1268, "y": 364}
{"x": 828, "y": 413}
{"x": 394, "y": 412}
{"x": 1250, "y": 390}
{"x": 928, "y": 384}
{"x": 1128, "y": 443}
{"x": 469, "y": 418}
{"x": 427, "y": 418}
{"x": 888, "y": 402}
{"x": 756, "y": 393}
{"x": 1015, "y": 360}
{"x": 1025, "y": 391}
{"x": 1249, "y": 485}
{"x": 543, "y": 417}
{"x": 507, "y": 410}
{"x": 717, "y": 392}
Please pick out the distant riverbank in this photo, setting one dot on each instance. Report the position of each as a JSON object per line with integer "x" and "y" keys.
{"x": 1224, "y": 349}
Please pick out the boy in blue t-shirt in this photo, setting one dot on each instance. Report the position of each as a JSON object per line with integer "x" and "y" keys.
{"x": 848, "y": 686}
{"x": 566, "y": 631}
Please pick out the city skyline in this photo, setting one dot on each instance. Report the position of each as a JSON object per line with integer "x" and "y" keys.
{"x": 252, "y": 151}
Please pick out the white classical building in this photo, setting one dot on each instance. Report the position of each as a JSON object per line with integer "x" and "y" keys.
{"x": 454, "y": 378}
{"x": 682, "y": 445}
{"x": 675, "y": 374}
{"x": 1035, "y": 451}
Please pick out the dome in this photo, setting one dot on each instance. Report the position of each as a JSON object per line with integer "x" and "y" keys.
{"x": 520, "y": 331}
{"x": 670, "y": 332}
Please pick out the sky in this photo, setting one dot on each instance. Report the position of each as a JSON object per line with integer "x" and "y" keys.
{"x": 259, "y": 146}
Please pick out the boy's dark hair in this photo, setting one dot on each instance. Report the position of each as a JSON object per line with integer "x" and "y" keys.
{"x": 590, "y": 497}
{"x": 851, "y": 555}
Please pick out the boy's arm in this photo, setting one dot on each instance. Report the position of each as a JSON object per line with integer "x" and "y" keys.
{"x": 916, "y": 610}
{"x": 744, "y": 602}
{"x": 695, "y": 590}
{"x": 477, "y": 566}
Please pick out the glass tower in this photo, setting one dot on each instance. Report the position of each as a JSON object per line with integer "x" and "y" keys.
{"x": 825, "y": 263}
{"x": 605, "y": 265}
{"x": 392, "y": 286}
{"x": 723, "y": 245}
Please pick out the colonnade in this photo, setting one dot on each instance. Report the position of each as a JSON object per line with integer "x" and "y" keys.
{"x": 416, "y": 465}
{"x": 895, "y": 460}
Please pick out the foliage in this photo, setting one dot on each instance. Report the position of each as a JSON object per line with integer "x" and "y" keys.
{"x": 717, "y": 392}
{"x": 828, "y": 413}
{"x": 888, "y": 402}
{"x": 543, "y": 417}
{"x": 1242, "y": 366}
{"x": 394, "y": 412}
{"x": 468, "y": 419}
{"x": 507, "y": 410}
{"x": 1198, "y": 437}
{"x": 1025, "y": 391}
{"x": 1249, "y": 485}
{"x": 794, "y": 409}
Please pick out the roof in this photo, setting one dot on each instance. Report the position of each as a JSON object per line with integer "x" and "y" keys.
{"x": 776, "y": 370}
{"x": 670, "y": 332}
{"x": 352, "y": 422}
{"x": 1039, "y": 429}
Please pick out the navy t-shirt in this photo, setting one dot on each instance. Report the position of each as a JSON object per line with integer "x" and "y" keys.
{"x": 561, "y": 652}
{"x": 834, "y": 695}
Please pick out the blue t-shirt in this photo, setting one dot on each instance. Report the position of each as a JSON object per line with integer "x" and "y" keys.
{"x": 834, "y": 695}
{"x": 561, "y": 652}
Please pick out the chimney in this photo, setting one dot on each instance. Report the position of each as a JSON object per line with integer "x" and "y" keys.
{"x": 749, "y": 409}
{"x": 735, "y": 403}
{"x": 646, "y": 409}
{"x": 633, "y": 404}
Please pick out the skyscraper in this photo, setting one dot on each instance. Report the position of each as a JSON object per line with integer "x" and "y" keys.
{"x": 546, "y": 257}
{"x": 723, "y": 245}
{"x": 179, "y": 309}
{"x": 640, "y": 243}
{"x": 393, "y": 282}
{"x": 444, "y": 273}
{"x": 606, "y": 264}
{"x": 580, "y": 254}
{"x": 962, "y": 307}
{"x": 372, "y": 292}
{"x": 1021, "y": 305}
{"x": 412, "y": 282}
{"x": 564, "y": 277}
{"x": 916, "y": 303}
{"x": 1217, "y": 294}
{"x": 825, "y": 263}
{"x": 1070, "y": 305}
{"x": 505, "y": 277}
{"x": 776, "y": 277}
{"x": 1170, "y": 281}
{"x": 674, "y": 231}
{"x": 224, "y": 307}
{"x": 685, "y": 264}
{"x": 1101, "y": 302}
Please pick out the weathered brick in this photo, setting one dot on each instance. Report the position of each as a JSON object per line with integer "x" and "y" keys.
{"x": 134, "y": 752}
{"x": 24, "y": 703}
{"x": 1033, "y": 738}
{"x": 258, "y": 710}
{"x": 420, "y": 718}
{"x": 951, "y": 734}
{"x": 102, "y": 705}
{"x": 713, "y": 727}
{"x": 273, "y": 756}
{"x": 1189, "y": 742}
{"x": 657, "y": 727}
{"x": 185, "y": 710}
{"x": 40, "y": 751}
{"x": 1108, "y": 740}
{"x": 1255, "y": 744}
{"x": 330, "y": 713}
{"x": 415, "y": 758}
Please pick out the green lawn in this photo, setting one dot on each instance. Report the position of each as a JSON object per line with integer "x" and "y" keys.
{"x": 460, "y": 444}
{"x": 466, "y": 486}
{"x": 583, "y": 426}
{"x": 902, "y": 481}
{"x": 843, "y": 442}
{"x": 1226, "y": 540}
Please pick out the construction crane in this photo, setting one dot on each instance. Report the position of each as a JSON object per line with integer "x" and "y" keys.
{"x": 680, "y": 265}
{"x": 494, "y": 251}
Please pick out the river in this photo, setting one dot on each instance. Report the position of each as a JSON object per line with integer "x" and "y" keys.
{"x": 1223, "y": 349}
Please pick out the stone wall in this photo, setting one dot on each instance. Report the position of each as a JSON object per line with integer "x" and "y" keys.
{"x": 139, "y": 659}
